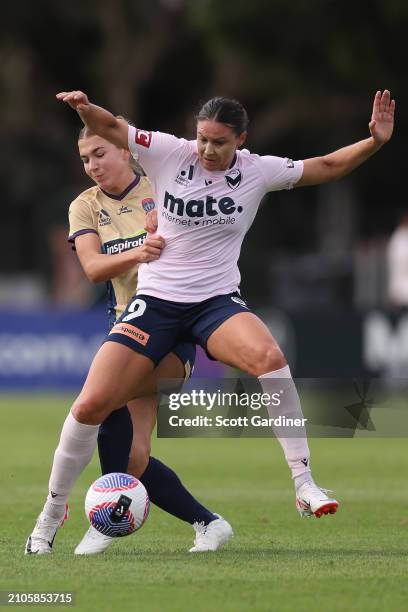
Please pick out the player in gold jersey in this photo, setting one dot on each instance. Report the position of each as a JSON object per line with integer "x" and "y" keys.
{"x": 107, "y": 230}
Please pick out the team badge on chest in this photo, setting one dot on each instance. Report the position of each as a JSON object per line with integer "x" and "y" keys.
{"x": 233, "y": 178}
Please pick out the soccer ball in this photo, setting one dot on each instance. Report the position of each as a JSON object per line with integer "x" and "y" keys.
{"x": 117, "y": 504}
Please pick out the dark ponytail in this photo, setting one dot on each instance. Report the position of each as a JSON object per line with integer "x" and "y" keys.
{"x": 227, "y": 111}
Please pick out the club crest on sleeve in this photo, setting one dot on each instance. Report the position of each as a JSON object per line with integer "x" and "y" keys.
{"x": 233, "y": 178}
{"x": 143, "y": 138}
{"x": 289, "y": 163}
{"x": 148, "y": 204}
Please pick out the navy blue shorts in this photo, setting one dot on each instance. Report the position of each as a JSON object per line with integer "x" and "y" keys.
{"x": 153, "y": 327}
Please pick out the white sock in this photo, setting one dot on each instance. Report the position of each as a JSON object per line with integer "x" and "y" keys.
{"x": 74, "y": 452}
{"x": 296, "y": 449}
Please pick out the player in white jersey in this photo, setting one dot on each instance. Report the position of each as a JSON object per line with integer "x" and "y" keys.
{"x": 107, "y": 232}
{"x": 207, "y": 193}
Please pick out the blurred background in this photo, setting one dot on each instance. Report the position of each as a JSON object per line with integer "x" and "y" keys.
{"x": 317, "y": 264}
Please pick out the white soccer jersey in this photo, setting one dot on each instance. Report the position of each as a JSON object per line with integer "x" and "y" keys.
{"x": 202, "y": 215}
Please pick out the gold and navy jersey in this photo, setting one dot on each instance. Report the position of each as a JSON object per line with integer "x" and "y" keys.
{"x": 119, "y": 223}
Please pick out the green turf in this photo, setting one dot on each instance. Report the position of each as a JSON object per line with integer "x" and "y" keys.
{"x": 356, "y": 560}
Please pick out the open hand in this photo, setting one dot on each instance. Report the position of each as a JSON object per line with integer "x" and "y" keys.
{"x": 382, "y": 120}
{"x": 77, "y": 100}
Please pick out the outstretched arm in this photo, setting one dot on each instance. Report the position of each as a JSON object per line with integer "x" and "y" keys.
{"x": 97, "y": 119}
{"x": 329, "y": 167}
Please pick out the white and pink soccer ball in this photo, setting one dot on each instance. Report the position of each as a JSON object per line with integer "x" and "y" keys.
{"x": 117, "y": 504}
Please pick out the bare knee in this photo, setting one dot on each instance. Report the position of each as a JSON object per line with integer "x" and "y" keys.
{"x": 90, "y": 410}
{"x": 265, "y": 358}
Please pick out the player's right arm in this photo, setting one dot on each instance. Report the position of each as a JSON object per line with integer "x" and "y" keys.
{"x": 153, "y": 150}
{"x": 100, "y": 267}
{"x": 99, "y": 120}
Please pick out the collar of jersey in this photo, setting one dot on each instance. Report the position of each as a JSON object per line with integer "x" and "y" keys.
{"x": 125, "y": 191}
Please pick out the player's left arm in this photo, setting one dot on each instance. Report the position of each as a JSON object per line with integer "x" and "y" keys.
{"x": 335, "y": 165}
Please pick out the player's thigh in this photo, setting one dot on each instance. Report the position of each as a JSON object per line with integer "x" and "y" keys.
{"x": 243, "y": 341}
{"x": 114, "y": 377}
{"x": 171, "y": 372}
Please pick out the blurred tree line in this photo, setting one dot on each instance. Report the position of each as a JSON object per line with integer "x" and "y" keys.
{"x": 306, "y": 71}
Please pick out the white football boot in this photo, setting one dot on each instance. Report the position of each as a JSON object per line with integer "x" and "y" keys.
{"x": 312, "y": 500}
{"x": 42, "y": 537}
{"x": 211, "y": 536}
{"x": 93, "y": 543}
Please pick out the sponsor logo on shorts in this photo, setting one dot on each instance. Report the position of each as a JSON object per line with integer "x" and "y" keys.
{"x": 239, "y": 301}
{"x": 148, "y": 204}
{"x": 131, "y": 332}
{"x": 143, "y": 138}
{"x": 233, "y": 178}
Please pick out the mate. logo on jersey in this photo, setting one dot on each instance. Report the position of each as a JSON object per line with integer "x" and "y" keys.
{"x": 143, "y": 138}
{"x": 148, "y": 204}
{"x": 233, "y": 178}
{"x": 210, "y": 207}
{"x": 124, "y": 244}
{"x": 104, "y": 218}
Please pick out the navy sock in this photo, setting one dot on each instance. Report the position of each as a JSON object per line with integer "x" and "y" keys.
{"x": 115, "y": 440}
{"x": 164, "y": 487}
{"x": 166, "y": 490}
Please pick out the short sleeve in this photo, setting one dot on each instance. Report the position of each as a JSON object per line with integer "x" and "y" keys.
{"x": 81, "y": 220}
{"x": 280, "y": 172}
{"x": 152, "y": 149}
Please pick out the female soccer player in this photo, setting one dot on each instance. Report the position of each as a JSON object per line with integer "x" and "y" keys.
{"x": 107, "y": 229}
{"x": 207, "y": 192}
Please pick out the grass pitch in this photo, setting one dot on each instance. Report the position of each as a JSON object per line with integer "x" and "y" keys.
{"x": 356, "y": 560}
